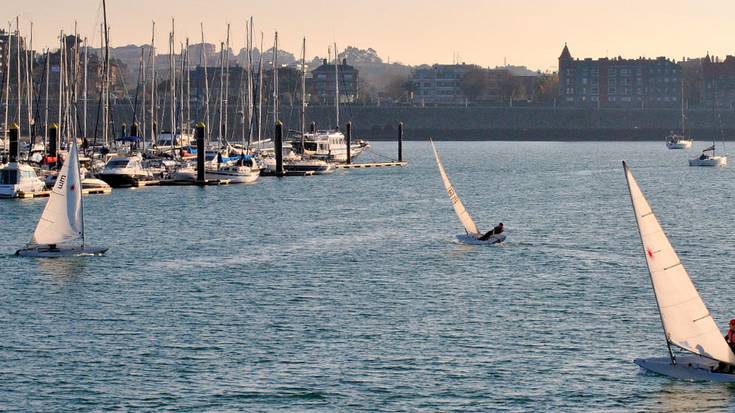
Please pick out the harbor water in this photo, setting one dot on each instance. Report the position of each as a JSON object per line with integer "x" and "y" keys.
{"x": 348, "y": 292}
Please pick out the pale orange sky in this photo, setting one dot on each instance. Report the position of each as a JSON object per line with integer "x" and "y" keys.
{"x": 530, "y": 32}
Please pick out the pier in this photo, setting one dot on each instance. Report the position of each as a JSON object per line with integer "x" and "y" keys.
{"x": 46, "y": 194}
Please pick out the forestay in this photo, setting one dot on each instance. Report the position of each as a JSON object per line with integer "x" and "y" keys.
{"x": 686, "y": 321}
{"x": 464, "y": 216}
{"x": 61, "y": 221}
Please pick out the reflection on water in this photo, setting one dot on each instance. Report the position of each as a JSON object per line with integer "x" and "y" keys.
{"x": 62, "y": 269}
{"x": 685, "y": 397}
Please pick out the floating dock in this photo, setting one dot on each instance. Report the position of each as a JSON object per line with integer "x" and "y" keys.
{"x": 372, "y": 165}
{"x": 45, "y": 194}
{"x": 206, "y": 182}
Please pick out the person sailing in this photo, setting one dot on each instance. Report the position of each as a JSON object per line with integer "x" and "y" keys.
{"x": 496, "y": 230}
{"x": 730, "y": 339}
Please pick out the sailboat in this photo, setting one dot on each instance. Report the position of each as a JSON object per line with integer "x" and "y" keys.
{"x": 674, "y": 140}
{"x": 60, "y": 231}
{"x": 686, "y": 322}
{"x": 472, "y": 235}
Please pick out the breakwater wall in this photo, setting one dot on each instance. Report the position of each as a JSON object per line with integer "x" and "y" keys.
{"x": 474, "y": 123}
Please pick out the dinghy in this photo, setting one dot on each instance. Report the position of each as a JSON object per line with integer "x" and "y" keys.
{"x": 60, "y": 231}
{"x": 687, "y": 323}
{"x": 472, "y": 235}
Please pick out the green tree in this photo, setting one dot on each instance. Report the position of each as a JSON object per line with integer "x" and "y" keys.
{"x": 474, "y": 83}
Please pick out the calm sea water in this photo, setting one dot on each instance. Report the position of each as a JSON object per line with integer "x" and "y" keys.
{"x": 348, "y": 293}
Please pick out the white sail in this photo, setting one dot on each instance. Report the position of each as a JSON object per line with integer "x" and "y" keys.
{"x": 61, "y": 221}
{"x": 687, "y": 322}
{"x": 464, "y": 216}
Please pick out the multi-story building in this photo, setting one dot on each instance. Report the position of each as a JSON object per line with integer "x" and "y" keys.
{"x": 4, "y": 48}
{"x": 440, "y": 84}
{"x": 719, "y": 81}
{"x": 324, "y": 85}
{"x": 619, "y": 82}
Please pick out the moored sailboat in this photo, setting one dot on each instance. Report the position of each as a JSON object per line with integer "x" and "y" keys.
{"x": 686, "y": 321}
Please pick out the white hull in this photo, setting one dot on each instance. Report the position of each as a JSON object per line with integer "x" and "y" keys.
{"x": 46, "y": 252}
{"x": 234, "y": 177}
{"x": 691, "y": 368}
{"x": 711, "y": 161}
{"x": 469, "y": 239}
{"x": 681, "y": 144}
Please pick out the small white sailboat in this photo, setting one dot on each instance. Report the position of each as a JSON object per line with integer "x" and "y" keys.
{"x": 472, "y": 235}
{"x": 709, "y": 158}
{"x": 686, "y": 322}
{"x": 680, "y": 141}
{"x": 60, "y": 230}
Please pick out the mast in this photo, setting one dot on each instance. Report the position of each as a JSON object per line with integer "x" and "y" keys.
{"x": 17, "y": 73}
{"x": 172, "y": 88}
{"x": 84, "y": 93}
{"x": 260, "y": 88}
{"x": 275, "y": 81}
{"x": 303, "y": 93}
{"x": 7, "y": 88}
{"x": 250, "y": 81}
{"x": 683, "y": 116}
{"x": 226, "y": 59}
{"x": 221, "y": 90}
{"x": 336, "y": 83}
{"x": 153, "y": 83}
{"x": 29, "y": 85}
{"x": 45, "y": 112}
{"x": 206, "y": 90}
{"x": 107, "y": 73}
{"x": 61, "y": 84}
{"x": 144, "y": 86}
{"x": 188, "y": 88}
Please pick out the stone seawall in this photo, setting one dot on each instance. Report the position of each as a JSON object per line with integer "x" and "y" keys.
{"x": 479, "y": 123}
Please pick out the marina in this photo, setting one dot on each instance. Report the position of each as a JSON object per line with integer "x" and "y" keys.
{"x": 293, "y": 220}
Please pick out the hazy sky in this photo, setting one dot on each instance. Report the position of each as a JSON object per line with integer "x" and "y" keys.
{"x": 530, "y": 32}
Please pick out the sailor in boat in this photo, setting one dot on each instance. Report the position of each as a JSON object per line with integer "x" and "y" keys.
{"x": 496, "y": 230}
{"x": 730, "y": 339}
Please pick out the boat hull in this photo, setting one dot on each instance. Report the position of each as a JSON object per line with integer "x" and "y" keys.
{"x": 715, "y": 161}
{"x": 679, "y": 145}
{"x": 691, "y": 368}
{"x": 234, "y": 177}
{"x": 122, "y": 180}
{"x": 46, "y": 252}
{"x": 469, "y": 239}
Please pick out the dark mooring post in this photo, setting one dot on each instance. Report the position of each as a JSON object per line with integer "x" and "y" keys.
{"x": 53, "y": 142}
{"x": 13, "y": 135}
{"x": 201, "y": 150}
{"x": 278, "y": 147}
{"x": 348, "y": 139}
{"x": 134, "y": 129}
{"x": 124, "y": 130}
{"x": 312, "y": 127}
{"x": 400, "y": 142}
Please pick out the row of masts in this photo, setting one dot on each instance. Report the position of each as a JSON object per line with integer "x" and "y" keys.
{"x": 73, "y": 75}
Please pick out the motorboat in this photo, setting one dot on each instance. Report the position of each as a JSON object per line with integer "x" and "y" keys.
{"x": 709, "y": 158}
{"x": 122, "y": 171}
{"x": 330, "y": 146}
{"x": 18, "y": 177}
{"x": 244, "y": 171}
{"x": 296, "y": 165}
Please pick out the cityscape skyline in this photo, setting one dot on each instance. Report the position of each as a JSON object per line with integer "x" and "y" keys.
{"x": 530, "y": 34}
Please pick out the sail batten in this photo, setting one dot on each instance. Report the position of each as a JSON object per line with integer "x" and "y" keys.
{"x": 61, "y": 221}
{"x": 459, "y": 209}
{"x": 676, "y": 296}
